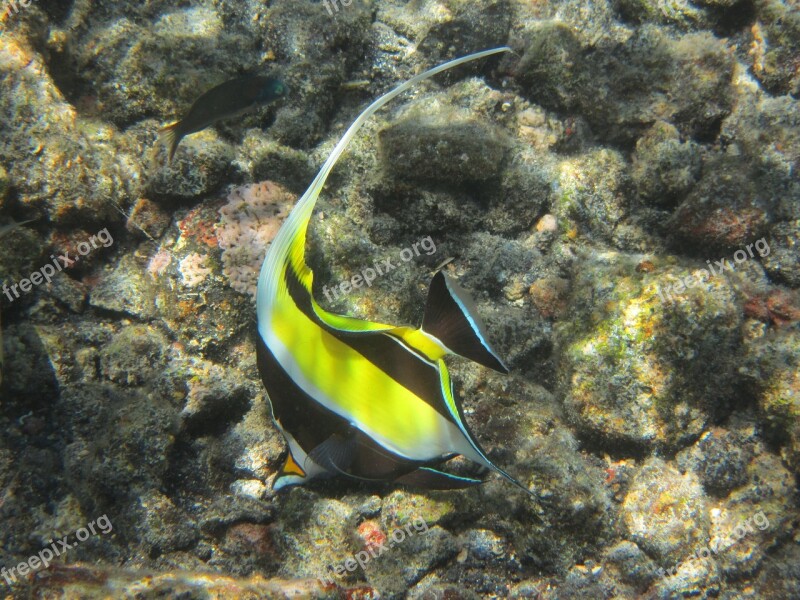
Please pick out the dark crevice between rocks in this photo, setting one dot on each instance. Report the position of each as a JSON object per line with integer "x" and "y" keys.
{"x": 57, "y": 10}
{"x": 730, "y": 21}
{"x": 71, "y": 85}
{"x": 709, "y": 132}
{"x": 539, "y": 364}
{"x": 617, "y": 448}
{"x": 109, "y": 315}
{"x": 181, "y": 480}
{"x": 740, "y": 401}
{"x": 217, "y": 415}
{"x": 20, "y": 403}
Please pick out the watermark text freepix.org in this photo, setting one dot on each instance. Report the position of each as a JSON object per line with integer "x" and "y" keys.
{"x": 368, "y": 274}
{"x": 335, "y": 4}
{"x": 56, "y": 548}
{"x": 13, "y": 6}
{"x": 721, "y": 544}
{"x": 762, "y": 247}
{"x": 47, "y": 272}
{"x": 375, "y": 549}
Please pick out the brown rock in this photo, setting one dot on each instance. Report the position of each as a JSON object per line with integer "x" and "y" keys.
{"x": 549, "y": 296}
{"x": 147, "y": 218}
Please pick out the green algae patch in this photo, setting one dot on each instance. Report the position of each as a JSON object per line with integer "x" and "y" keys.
{"x": 401, "y": 508}
{"x": 643, "y": 366}
{"x": 592, "y": 194}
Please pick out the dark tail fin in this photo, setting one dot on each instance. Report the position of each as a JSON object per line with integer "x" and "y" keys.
{"x": 450, "y": 317}
{"x": 170, "y": 137}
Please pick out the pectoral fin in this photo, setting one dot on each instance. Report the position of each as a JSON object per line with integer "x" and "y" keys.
{"x": 335, "y": 454}
{"x": 451, "y": 318}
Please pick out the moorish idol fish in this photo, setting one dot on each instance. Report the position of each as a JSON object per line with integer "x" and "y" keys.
{"x": 229, "y": 99}
{"x": 357, "y": 398}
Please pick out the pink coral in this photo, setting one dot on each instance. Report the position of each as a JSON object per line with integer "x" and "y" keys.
{"x": 248, "y": 223}
{"x": 158, "y": 264}
{"x": 193, "y": 269}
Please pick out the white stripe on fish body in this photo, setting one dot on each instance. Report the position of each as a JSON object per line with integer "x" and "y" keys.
{"x": 449, "y": 440}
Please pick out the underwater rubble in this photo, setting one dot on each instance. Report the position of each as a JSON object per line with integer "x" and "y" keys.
{"x": 619, "y": 194}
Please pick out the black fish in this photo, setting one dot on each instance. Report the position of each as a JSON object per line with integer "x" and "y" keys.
{"x": 228, "y": 99}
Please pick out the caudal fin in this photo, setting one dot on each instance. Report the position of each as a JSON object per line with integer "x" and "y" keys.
{"x": 170, "y": 137}
{"x": 451, "y": 318}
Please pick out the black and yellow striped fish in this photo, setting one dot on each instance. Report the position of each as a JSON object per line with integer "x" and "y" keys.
{"x": 362, "y": 399}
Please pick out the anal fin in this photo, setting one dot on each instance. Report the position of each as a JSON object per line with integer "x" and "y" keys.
{"x": 433, "y": 479}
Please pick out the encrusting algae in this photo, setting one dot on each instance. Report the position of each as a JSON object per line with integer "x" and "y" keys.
{"x": 579, "y": 187}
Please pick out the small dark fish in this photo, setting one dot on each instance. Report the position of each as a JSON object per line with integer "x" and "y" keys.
{"x": 228, "y": 99}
